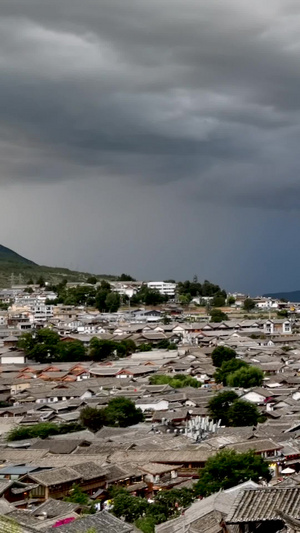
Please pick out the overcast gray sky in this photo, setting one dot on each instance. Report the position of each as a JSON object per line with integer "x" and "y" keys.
{"x": 155, "y": 137}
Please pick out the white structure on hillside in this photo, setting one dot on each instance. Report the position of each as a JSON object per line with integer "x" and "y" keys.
{"x": 163, "y": 287}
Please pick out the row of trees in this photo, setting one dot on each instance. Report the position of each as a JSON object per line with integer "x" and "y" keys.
{"x": 45, "y": 345}
{"x": 177, "y": 382}
{"x": 101, "y": 297}
{"x": 120, "y": 412}
{"x": 194, "y": 288}
{"x": 42, "y": 430}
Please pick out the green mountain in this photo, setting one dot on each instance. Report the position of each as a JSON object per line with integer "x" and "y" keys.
{"x": 9, "y": 256}
{"x": 15, "y": 269}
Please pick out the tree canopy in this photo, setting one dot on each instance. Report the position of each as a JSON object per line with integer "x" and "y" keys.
{"x": 103, "y": 349}
{"x": 218, "y": 300}
{"x": 194, "y": 288}
{"x": 78, "y": 496}
{"x": 101, "y": 296}
{"x": 45, "y": 346}
{"x": 148, "y": 296}
{"x": 217, "y": 315}
{"x": 125, "y": 277}
{"x": 219, "y": 405}
{"x": 227, "y": 368}
{"x": 228, "y": 468}
{"x": 221, "y": 354}
{"x": 177, "y": 382}
{"x": 246, "y": 377}
{"x": 42, "y": 430}
{"x": 249, "y": 304}
{"x": 92, "y": 418}
{"x": 242, "y": 413}
{"x": 120, "y": 412}
{"x": 167, "y": 504}
{"x": 227, "y": 407}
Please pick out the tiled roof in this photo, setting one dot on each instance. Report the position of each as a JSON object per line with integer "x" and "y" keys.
{"x": 262, "y": 504}
{"x": 55, "y": 476}
{"x": 98, "y": 522}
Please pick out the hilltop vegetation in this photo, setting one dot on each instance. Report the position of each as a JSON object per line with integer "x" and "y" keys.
{"x": 24, "y": 269}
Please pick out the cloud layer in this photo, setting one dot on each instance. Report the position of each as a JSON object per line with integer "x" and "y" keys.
{"x": 170, "y": 130}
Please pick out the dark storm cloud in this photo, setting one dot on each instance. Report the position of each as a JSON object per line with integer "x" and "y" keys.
{"x": 202, "y": 91}
{"x": 159, "y": 138}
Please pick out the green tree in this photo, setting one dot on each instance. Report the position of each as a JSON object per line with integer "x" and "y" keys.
{"x": 81, "y": 498}
{"x": 249, "y": 304}
{"x": 177, "y": 382}
{"x": 41, "y": 281}
{"x": 126, "y": 277}
{"x": 26, "y": 342}
{"x": 152, "y": 297}
{"x": 230, "y": 300}
{"x": 228, "y": 468}
{"x": 184, "y": 299}
{"x": 283, "y": 313}
{"x": 128, "y": 347}
{"x": 77, "y": 496}
{"x": 166, "y": 319}
{"x": 29, "y": 290}
{"x": 217, "y": 315}
{"x": 163, "y": 344}
{"x": 174, "y": 498}
{"x": 221, "y": 354}
{"x": 92, "y": 418}
{"x": 218, "y": 301}
{"x": 130, "y": 508}
{"x": 71, "y": 351}
{"x": 227, "y": 368}
{"x": 219, "y": 405}
{"x": 101, "y": 349}
{"x": 42, "y": 430}
{"x": 122, "y": 412}
{"x": 92, "y": 280}
{"x": 41, "y": 346}
{"x": 112, "y": 302}
{"x": 147, "y": 524}
{"x": 144, "y": 347}
{"x": 242, "y": 413}
{"x": 245, "y": 377}
{"x": 102, "y": 292}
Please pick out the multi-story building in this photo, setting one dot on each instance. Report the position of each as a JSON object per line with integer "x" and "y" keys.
{"x": 163, "y": 287}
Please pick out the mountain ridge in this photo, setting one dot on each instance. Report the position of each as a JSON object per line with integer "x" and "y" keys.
{"x": 290, "y": 296}
{"x": 16, "y": 269}
{"x": 8, "y": 255}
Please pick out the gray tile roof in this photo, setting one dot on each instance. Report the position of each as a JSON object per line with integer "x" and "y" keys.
{"x": 55, "y": 476}
{"x": 99, "y": 522}
{"x": 88, "y": 470}
{"x": 54, "y": 508}
{"x": 261, "y": 504}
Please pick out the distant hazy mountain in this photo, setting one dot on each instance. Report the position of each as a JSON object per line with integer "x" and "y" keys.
{"x": 293, "y": 296}
{"x": 9, "y": 256}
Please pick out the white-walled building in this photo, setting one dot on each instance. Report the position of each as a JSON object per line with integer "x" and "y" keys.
{"x": 163, "y": 287}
